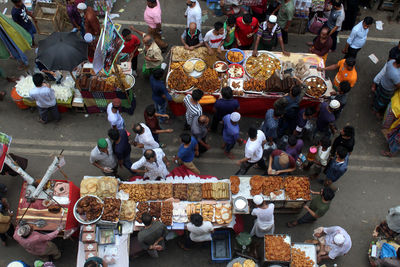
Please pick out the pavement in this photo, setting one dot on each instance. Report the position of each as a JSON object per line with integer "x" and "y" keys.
{"x": 367, "y": 190}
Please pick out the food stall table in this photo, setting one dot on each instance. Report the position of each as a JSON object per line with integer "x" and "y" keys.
{"x": 257, "y": 103}
{"x": 34, "y": 211}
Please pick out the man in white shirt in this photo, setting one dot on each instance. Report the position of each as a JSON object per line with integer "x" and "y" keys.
{"x": 215, "y": 38}
{"x": 45, "y": 99}
{"x": 102, "y": 157}
{"x": 334, "y": 241}
{"x": 155, "y": 164}
{"x": 253, "y": 153}
{"x": 200, "y": 231}
{"x": 144, "y": 138}
{"x": 113, "y": 115}
{"x": 193, "y": 13}
{"x": 357, "y": 38}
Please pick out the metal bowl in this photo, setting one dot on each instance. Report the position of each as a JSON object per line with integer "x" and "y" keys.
{"x": 79, "y": 218}
{"x": 240, "y": 198}
{"x": 220, "y": 62}
{"x": 314, "y": 76}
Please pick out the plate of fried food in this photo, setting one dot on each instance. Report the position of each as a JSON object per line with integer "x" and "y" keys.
{"x": 254, "y": 86}
{"x": 297, "y": 188}
{"x": 88, "y": 209}
{"x": 194, "y": 67}
{"x": 277, "y": 248}
{"x": 242, "y": 262}
{"x": 304, "y": 255}
{"x": 263, "y": 66}
{"x": 179, "y": 81}
{"x": 209, "y": 82}
{"x": 236, "y": 84}
{"x": 315, "y": 86}
{"x": 235, "y": 56}
{"x": 256, "y": 183}
{"x": 235, "y": 182}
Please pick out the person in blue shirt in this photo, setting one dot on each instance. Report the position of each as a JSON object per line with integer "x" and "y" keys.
{"x": 337, "y": 166}
{"x": 187, "y": 151}
{"x": 230, "y": 133}
{"x": 223, "y": 106}
{"x": 271, "y": 123}
{"x": 121, "y": 147}
{"x": 160, "y": 94}
{"x": 357, "y": 38}
{"x": 20, "y": 15}
{"x": 287, "y": 123}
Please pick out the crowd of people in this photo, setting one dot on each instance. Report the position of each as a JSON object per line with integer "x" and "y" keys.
{"x": 275, "y": 147}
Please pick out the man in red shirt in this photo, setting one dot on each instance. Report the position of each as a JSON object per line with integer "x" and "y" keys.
{"x": 246, "y": 27}
{"x": 132, "y": 44}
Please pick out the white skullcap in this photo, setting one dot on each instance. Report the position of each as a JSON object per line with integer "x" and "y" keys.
{"x": 193, "y": 1}
{"x": 88, "y": 37}
{"x": 235, "y": 116}
{"x": 15, "y": 264}
{"x": 82, "y": 6}
{"x": 24, "y": 230}
{"x": 339, "y": 239}
{"x": 258, "y": 199}
{"x": 272, "y": 19}
{"x": 334, "y": 104}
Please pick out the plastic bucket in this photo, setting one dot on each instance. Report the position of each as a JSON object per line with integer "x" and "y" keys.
{"x": 18, "y": 100}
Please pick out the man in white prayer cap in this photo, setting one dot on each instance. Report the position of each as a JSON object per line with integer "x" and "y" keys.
{"x": 92, "y": 42}
{"x": 230, "y": 133}
{"x": 264, "y": 224}
{"x": 90, "y": 20}
{"x": 332, "y": 242}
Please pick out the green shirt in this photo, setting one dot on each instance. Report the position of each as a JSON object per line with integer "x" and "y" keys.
{"x": 231, "y": 35}
{"x": 285, "y": 13}
{"x": 318, "y": 206}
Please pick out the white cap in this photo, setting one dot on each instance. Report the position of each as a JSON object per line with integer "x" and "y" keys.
{"x": 82, "y": 6}
{"x": 272, "y": 19}
{"x": 339, "y": 239}
{"x": 334, "y": 104}
{"x": 88, "y": 37}
{"x": 235, "y": 116}
{"x": 23, "y": 230}
{"x": 193, "y": 1}
{"x": 258, "y": 199}
{"x": 15, "y": 264}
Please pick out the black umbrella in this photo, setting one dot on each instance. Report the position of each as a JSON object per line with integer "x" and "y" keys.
{"x": 62, "y": 51}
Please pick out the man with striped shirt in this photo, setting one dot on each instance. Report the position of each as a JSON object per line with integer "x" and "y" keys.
{"x": 193, "y": 108}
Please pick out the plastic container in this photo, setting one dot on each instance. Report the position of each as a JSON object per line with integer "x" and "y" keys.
{"x": 312, "y": 153}
{"x": 18, "y": 100}
{"x": 221, "y": 246}
{"x": 235, "y": 50}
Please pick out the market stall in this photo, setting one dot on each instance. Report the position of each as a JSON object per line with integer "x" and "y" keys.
{"x": 289, "y": 194}
{"x": 257, "y": 82}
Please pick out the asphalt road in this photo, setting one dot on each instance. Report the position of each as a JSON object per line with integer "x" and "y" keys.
{"x": 367, "y": 191}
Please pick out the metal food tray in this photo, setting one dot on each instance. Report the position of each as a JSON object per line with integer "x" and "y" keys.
{"x": 309, "y": 249}
{"x": 194, "y": 73}
{"x": 244, "y": 190}
{"x": 248, "y": 55}
{"x": 299, "y": 199}
{"x": 239, "y": 260}
{"x": 176, "y": 91}
{"x": 287, "y": 240}
{"x": 78, "y": 216}
{"x": 239, "y": 80}
{"x": 104, "y": 222}
{"x": 315, "y": 76}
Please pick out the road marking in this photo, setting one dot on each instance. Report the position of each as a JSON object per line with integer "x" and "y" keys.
{"x": 203, "y": 160}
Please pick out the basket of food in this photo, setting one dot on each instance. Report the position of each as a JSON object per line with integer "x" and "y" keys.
{"x": 235, "y": 71}
{"x": 178, "y": 81}
{"x": 315, "y": 86}
{"x": 262, "y": 66}
{"x": 194, "y": 67}
{"x": 88, "y": 209}
{"x": 277, "y": 249}
{"x": 220, "y": 66}
{"x": 235, "y": 55}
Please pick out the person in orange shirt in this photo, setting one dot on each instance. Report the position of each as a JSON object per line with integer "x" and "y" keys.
{"x": 346, "y": 73}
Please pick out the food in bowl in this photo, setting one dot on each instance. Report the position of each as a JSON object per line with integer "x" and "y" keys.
{"x": 234, "y": 56}
{"x": 235, "y": 71}
{"x": 199, "y": 66}
{"x": 179, "y": 81}
{"x": 316, "y": 86}
{"x": 240, "y": 204}
{"x": 188, "y": 67}
{"x": 220, "y": 67}
{"x": 262, "y": 66}
{"x": 89, "y": 208}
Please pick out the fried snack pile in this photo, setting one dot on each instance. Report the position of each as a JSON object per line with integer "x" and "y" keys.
{"x": 90, "y": 207}
{"x": 206, "y": 190}
{"x": 276, "y": 249}
{"x": 128, "y": 210}
{"x": 272, "y": 184}
{"x": 136, "y": 191}
{"x": 89, "y": 186}
{"x": 194, "y": 192}
{"x": 175, "y": 65}
{"x": 297, "y": 187}
{"x": 316, "y": 86}
{"x": 254, "y": 85}
{"x": 155, "y": 209}
{"x": 299, "y": 259}
{"x": 112, "y": 82}
{"x": 235, "y": 56}
{"x": 193, "y": 208}
{"x": 220, "y": 191}
{"x": 223, "y": 213}
{"x": 235, "y": 182}
{"x": 165, "y": 191}
{"x": 166, "y": 213}
{"x": 154, "y": 191}
{"x": 107, "y": 187}
{"x": 262, "y": 66}
{"x": 179, "y": 81}
{"x": 207, "y": 211}
{"x": 256, "y": 183}
{"x": 180, "y": 191}
{"x": 111, "y": 209}
{"x": 142, "y": 207}
{"x": 209, "y": 81}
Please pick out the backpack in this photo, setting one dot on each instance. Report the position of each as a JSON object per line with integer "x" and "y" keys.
{"x": 316, "y": 24}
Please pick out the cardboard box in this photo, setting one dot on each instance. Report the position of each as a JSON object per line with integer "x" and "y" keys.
{"x": 90, "y": 247}
{"x": 91, "y": 228}
{"x": 90, "y": 254}
{"x": 88, "y": 237}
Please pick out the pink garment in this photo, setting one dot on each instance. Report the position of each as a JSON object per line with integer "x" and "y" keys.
{"x": 35, "y": 243}
{"x": 152, "y": 16}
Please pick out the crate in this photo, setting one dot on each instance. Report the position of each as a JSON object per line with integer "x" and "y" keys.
{"x": 221, "y": 246}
